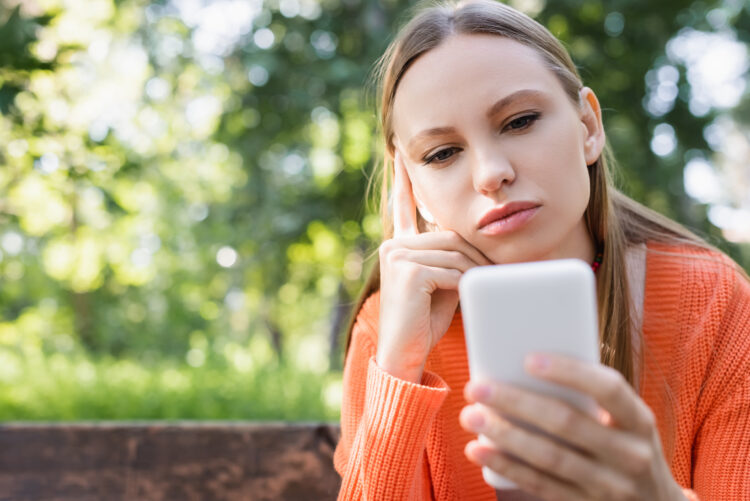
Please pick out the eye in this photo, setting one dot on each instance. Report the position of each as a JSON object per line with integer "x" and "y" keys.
{"x": 442, "y": 155}
{"x": 522, "y": 122}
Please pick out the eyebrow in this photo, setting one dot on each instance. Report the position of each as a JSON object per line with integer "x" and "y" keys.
{"x": 494, "y": 109}
{"x": 437, "y": 131}
{"x": 521, "y": 94}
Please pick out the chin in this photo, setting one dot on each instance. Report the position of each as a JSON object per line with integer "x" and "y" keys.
{"x": 536, "y": 244}
{"x": 522, "y": 249}
{"x": 512, "y": 253}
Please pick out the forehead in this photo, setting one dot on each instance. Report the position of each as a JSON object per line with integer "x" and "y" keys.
{"x": 463, "y": 73}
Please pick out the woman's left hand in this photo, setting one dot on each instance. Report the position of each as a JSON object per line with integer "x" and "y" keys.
{"x": 617, "y": 457}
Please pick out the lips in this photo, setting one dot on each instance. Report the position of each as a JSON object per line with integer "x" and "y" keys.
{"x": 504, "y": 211}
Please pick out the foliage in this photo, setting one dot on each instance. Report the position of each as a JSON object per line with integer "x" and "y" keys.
{"x": 176, "y": 191}
{"x": 59, "y": 387}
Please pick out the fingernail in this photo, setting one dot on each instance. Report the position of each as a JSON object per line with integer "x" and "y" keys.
{"x": 479, "y": 391}
{"x": 475, "y": 450}
{"x": 476, "y": 420}
{"x": 537, "y": 363}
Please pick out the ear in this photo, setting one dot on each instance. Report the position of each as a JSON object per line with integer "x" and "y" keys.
{"x": 591, "y": 119}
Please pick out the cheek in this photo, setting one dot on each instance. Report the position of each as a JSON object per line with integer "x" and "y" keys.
{"x": 559, "y": 166}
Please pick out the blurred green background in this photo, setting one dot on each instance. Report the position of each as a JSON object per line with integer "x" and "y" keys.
{"x": 182, "y": 220}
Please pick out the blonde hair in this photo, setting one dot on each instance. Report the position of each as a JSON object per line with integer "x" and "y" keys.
{"x": 614, "y": 220}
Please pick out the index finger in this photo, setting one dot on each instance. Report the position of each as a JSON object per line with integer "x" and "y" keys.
{"x": 605, "y": 384}
{"x": 404, "y": 207}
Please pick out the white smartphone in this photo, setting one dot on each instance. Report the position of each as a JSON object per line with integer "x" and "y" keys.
{"x": 511, "y": 310}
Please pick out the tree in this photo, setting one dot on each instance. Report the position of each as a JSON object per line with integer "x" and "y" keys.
{"x": 187, "y": 181}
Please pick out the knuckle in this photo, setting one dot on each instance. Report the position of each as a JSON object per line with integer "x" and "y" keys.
{"x": 533, "y": 483}
{"x": 456, "y": 256}
{"x": 617, "y": 376}
{"x": 555, "y": 459}
{"x": 498, "y": 463}
{"x": 525, "y": 477}
{"x": 640, "y": 460}
{"x": 508, "y": 399}
{"x": 612, "y": 386}
{"x": 598, "y": 490}
{"x": 385, "y": 248}
{"x": 649, "y": 419}
{"x": 632, "y": 495}
{"x": 550, "y": 493}
{"x": 393, "y": 254}
{"x": 412, "y": 274}
{"x": 454, "y": 238}
{"x": 396, "y": 254}
{"x": 564, "y": 422}
{"x": 627, "y": 492}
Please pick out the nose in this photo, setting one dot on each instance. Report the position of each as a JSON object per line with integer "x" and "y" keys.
{"x": 491, "y": 170}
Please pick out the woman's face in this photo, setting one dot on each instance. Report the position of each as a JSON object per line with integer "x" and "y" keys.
{"x": 483, "y": 124}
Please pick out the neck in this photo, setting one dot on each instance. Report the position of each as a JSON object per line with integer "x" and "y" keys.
{"x": 579, "y": 245}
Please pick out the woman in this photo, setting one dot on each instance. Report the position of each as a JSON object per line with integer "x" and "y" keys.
{"x": 498, "y": 155}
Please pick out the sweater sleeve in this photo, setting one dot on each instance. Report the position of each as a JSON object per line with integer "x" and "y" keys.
{"x": 384, "y": 426}
{"x": 721, "y": 451}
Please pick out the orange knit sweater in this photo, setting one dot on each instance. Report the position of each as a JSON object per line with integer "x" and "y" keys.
{"x": 401, "y": 440}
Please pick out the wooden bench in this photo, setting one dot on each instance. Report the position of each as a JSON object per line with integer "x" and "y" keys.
{"x": 163, "y": 461}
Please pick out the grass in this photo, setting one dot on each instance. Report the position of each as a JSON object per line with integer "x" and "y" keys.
{"x": 66, "y": 387}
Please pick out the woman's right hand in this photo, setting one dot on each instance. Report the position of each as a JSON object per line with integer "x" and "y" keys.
{"x": 419, "y": 274}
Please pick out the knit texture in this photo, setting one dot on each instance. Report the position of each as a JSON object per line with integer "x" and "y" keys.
{"x": 403, "y": 441}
